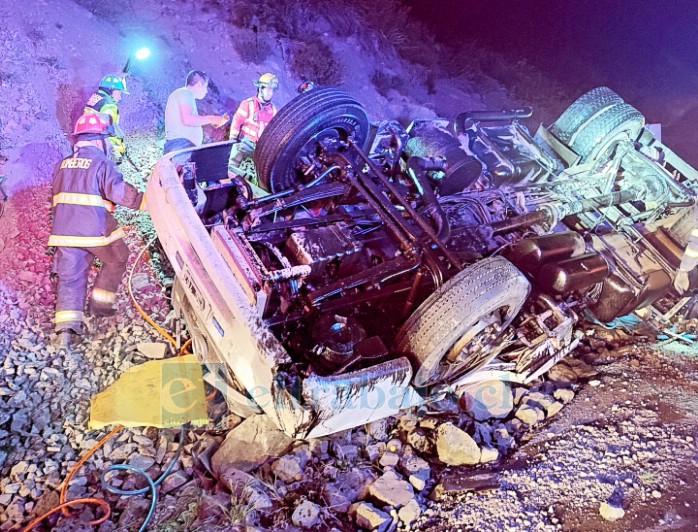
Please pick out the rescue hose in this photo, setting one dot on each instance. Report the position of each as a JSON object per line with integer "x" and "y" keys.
{"x": 145, "y": 316}
{"x": 130, "y": 161}
{"x": 64, "y": 503}
{"x": 152, "y": 484}
{"x": 140, "y": 310}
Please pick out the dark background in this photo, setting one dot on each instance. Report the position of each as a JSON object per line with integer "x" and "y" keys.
{"x": 645, "y": 50}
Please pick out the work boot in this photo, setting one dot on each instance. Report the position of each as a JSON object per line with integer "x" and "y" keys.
{"x": 66, "y": 339}
{"x": 101, "y": 311}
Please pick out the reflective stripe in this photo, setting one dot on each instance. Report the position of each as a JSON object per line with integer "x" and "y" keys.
{"x": 111, "y": 110}
{"x": 252, "y": 132}
{"x": 85, "y": 241}
{"x": 77, "y": 198}
{"x": 692, "y": 253}
{"x": 63, "y": 316}
{"x": 694, "y": 232}
{"x": 103, "y": 296}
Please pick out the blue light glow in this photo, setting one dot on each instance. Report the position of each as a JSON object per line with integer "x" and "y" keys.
{"x": 142, "y": 54}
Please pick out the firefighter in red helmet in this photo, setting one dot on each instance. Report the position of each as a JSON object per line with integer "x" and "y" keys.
{"x": 86, "y": 187}
{"x": 250, "y": 119}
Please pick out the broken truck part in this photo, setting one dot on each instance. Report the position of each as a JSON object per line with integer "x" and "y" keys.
{"x": 386, "y": 266}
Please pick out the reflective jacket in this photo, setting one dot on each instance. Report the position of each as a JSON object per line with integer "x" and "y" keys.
{"x": 689, "y": 260}
{"x": 101, "y": 103}
{"x": 85, "y": 188}
{"x": 251, "y": 118}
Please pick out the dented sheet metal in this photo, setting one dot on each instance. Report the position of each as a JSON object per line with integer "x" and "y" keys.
{"x": 345, "y": 401}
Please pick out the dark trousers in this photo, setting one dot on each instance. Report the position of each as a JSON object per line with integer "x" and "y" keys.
{"x": 178, "y": 144}
{"x": 72, "y": 265}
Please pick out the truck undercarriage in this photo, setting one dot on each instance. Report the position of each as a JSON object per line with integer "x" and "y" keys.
{"x": 386, "y": 265}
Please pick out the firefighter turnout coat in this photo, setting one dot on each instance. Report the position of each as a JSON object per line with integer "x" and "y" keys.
{"x": 102, "y": 103}
{"x": 86, "y": 187}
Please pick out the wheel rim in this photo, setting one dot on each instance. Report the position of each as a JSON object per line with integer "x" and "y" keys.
{"x": 476, "y": 348}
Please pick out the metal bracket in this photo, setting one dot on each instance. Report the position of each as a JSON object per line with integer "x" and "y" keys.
{"x": 670, "y": 314}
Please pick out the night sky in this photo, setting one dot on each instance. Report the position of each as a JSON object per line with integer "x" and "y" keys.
{"x": 647, "y": 51}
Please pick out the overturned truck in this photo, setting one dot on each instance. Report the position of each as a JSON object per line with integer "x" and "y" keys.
{"x": 377, "y": 267}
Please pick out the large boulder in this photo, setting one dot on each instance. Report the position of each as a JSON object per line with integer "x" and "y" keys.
{"x": 530, "y": 414}
{"x": 487, "y": 399}
{"x": 611, "y": 512}
{"x": 306, "y": 514}
{"x": 287, "y": 469}
{"x": 252, "y": 442}
{"x": 368, "y": 516}
{"x": 455, "y": 446}
{"x": 392, "y": 490}
{"x": 410, "y": 512}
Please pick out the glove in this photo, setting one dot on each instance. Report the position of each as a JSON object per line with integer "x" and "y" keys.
{"x": 681, "y": 282}
{"x": 223, "y": 120}
{"x": 247, "y": 146}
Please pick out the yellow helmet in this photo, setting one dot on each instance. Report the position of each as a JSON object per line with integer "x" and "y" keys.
{"x": 267, "y": 80}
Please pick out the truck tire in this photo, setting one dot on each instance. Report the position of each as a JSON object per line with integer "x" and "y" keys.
{"x": 581, "y": 110}
{"x": 295, "y": 130}
{"x": 459, "y": 328}
{"x": 618, "y": 122}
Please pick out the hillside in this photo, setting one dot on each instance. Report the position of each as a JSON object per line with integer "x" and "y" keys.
{"x": 55, "y": 53}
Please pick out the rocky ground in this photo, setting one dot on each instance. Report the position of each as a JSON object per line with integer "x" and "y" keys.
{"x": 605, "y": 441}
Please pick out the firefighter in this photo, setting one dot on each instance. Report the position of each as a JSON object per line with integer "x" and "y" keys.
{"x": 86, "y": 187}
{"x": 689, "y": 261}
{"x": 106, "y": 101}
{"x": 250, "y": 119}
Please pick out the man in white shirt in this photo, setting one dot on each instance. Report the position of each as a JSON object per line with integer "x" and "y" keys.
{"x": 183, "y": 124}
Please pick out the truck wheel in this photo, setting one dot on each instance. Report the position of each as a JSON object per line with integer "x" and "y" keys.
{"x": 584, "y": 108}
{"x": 297, "y": 130}
{"x": 596, "y": 137}
{"x": 459, "y": 328}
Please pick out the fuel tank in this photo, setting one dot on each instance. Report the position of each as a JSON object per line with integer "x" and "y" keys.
{"x": 619, "y": 298}
{"x": 573, "y": 274}
{"x": 531, "y": 254}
